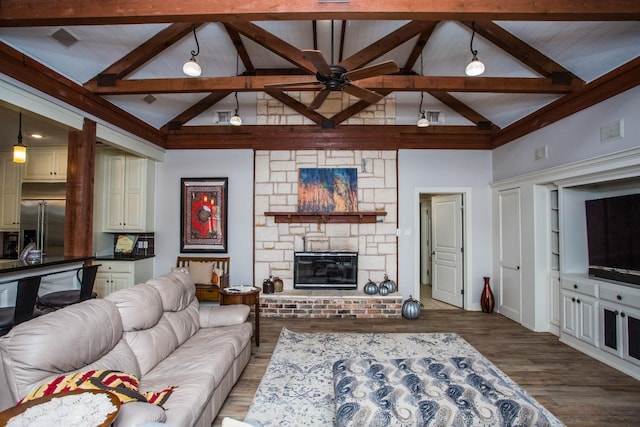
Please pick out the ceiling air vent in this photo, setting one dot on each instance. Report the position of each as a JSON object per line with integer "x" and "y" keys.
{"x": 221, "y": 117}
{"x": 149, "y": 99}
{"x": 64, "y": 37}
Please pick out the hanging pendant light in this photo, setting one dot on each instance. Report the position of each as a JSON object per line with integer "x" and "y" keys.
{"x": 191, "y": 67}
{"x": 475, "y": 67}
{"x": 422, "y": 121}
{"x": 19, "y": 150}
{"x": 236, "y": 120}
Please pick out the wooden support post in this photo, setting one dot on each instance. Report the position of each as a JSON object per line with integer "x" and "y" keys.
{"x": 78, "y": 224}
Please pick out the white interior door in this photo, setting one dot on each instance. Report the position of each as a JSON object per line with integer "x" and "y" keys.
{"x": 446, "y": 212}
{"x": 510, "y": 276}
{"x": 425, "y": 243}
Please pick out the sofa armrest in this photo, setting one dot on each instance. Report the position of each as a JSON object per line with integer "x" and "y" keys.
{"x": 212, "y": 316}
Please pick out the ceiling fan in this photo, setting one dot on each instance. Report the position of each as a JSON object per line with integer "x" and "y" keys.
{"x": 337, "y": 78}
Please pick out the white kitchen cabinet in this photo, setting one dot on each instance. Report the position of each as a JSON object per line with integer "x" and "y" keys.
{"x": 115, "y": 275}
{"x": 10, "y": 183}
{"x": 46, "y": 164}
{"x": 579, "y": 311}
{"x": 129, "y": 193}
{"x": 620, "y": 332}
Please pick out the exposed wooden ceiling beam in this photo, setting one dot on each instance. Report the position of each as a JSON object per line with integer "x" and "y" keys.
{"x": 419, "y": 46}
{"x": 274, "y": 44}
{"x": 385, "y": 44}
{"x": 240, "y": 49}
{"x": 520, "y": 50}
{"x": 393, "y": 82}
{"x": 195, "y": 110}
{"x": 297, "y": 106}
{"x": 146, "y": 51}
{"x": 354, "y": 109}
{"x": 25, "y": 70}
{"x": 90, "y": 12}
{"x": 462, "y": 109}
{"x": 611, "y": 84}
{"x": 372, "y": 137}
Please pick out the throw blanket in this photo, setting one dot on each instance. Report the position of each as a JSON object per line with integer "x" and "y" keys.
{"x": 428, "y": 391}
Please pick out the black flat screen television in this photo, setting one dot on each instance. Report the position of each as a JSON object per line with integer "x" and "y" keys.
{"x": 613, "y": 236}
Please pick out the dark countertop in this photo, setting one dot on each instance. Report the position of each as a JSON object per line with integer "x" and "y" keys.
{"x": 13, "y": 265}
{"x": 123, "y": 257}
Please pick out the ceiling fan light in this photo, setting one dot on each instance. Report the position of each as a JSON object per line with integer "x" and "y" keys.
{"x": 236, "y": 120}
{"x": 475, "y": 68}
{"x": 191, "y": 68}
{"x": 422, "y": 121}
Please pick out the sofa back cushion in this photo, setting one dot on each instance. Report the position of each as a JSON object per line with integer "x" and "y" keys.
{"x": 147, "y": 332}
{"x": 179, "y": 303}
{"x": 65, "y": 341}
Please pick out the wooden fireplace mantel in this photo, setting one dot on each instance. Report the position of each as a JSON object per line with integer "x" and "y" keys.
{"x": 365, "y": 217}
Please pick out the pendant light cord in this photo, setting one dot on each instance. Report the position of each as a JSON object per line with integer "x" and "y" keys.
{"x": 473, "y": 52}
{"x": 422, "y": 74}
{"x": 193, "y": 52}
{"x": 20, "y": 129}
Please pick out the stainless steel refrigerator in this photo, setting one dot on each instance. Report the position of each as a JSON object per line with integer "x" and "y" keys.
{"x": 42, "y": 207}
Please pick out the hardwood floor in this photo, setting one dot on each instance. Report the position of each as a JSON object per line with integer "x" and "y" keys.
{"x": 577, "y": 389}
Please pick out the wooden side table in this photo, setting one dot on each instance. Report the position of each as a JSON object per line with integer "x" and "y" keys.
{"x": 250, "y": 297}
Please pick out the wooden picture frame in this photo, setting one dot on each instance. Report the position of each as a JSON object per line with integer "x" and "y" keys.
{"x": 203, "y": 207}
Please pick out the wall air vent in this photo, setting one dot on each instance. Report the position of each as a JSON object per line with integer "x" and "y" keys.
{"x": 64, "y": 37}
{"x": 435, "y": 117}
{"x": 221, "y": 117}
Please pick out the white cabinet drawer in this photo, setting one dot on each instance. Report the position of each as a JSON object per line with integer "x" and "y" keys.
{"x": 116, "y": 266}
{"x": 585, "y": 288}
{"x": 620, "y": 295}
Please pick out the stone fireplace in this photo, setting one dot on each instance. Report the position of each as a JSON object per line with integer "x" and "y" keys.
{"x": 276, "y": 190}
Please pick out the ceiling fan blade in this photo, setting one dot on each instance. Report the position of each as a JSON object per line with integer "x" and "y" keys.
{"x": 386, "y": 67}
{"x": 319, "y": 99}
{"x": 279, "y": 85}
{"x": 362, "y": 93}
{"x": 317, "y": 59}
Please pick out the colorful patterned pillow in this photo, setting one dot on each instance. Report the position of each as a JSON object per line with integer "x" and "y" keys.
{"x": 123, "y": 385}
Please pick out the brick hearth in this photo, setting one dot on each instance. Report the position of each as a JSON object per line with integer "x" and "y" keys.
{"x": 330, "y": 304}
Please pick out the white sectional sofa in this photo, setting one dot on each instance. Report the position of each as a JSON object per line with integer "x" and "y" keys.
{"x": 155, "y": 330}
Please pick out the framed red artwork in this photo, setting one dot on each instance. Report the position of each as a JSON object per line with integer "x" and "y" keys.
{"x": 203, "y": 226}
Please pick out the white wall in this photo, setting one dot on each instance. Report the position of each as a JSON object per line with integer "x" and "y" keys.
{"x": 572, "y": 139}
{"x": 445, "y": 169}
{"x": 237, "y": 165}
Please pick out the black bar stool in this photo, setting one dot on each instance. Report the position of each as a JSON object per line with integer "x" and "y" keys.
{"x": 67, "y": 297}
{"x": 25, "y": 305}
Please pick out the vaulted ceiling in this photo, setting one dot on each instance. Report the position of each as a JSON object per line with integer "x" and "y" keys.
{"x": 122, "y": 63}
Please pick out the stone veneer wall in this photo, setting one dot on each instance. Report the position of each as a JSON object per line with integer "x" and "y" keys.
{"x": 276, "y": 189}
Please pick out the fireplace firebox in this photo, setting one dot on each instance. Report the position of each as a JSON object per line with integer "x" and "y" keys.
{"x": 325, "y": 270}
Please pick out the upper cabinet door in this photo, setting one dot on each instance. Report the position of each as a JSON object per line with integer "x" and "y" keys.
{"x": 46, "y": 164}
{"x": 9, "y": 193}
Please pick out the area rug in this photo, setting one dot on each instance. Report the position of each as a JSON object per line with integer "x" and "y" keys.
{"x": 453, "y": 384}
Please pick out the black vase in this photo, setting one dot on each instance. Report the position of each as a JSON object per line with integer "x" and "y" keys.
{"x": 486, "y": 299}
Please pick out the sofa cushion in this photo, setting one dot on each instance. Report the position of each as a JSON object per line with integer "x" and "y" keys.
{"x": 179, "y": 303}
{"x": 149, "y": 334}
{"x": 213, "y": 316}
{"x": 140, "y": 306}
{"x": 65, "y": 341}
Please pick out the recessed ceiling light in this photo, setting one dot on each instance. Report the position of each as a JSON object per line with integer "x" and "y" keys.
{"x": 36, "y": 135}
